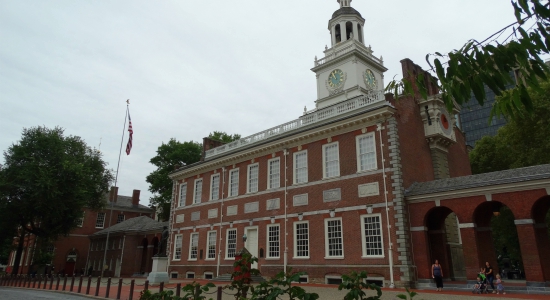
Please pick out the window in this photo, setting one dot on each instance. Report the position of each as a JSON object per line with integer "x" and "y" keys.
{"x": 231, "y": 247}
{"x": 301, "y": 239}
{"x": 215, "y": 187}
{"x": 177, "y": 247}
{"x": 274, "y": 173}
{"x": 120, "y": 218}
{"x": 81, "y": 220}
{"x": 334, "y": 245}
{"x": 211, "y": 246}
{"x": 366, "y": 152}
{"x": 193, "y": 246}
{"x": 100, "y": 221}
{"x": 119, "y": 243}
{"x": 331, "y": 164}
{"x": 300, "y": 167}
{"x": 273, "y": 241}
{"x": 252, "y": 178}
{"x": 372, "y": 236}
{"x": 198, "y": 191}
{"x": 183, "y": 192}
{"x": 233, "y": 183}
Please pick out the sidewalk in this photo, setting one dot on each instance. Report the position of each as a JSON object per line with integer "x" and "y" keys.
{"x": 326, "y": 292}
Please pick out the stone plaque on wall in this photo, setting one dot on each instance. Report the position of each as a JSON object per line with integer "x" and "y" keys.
{"x": 232, "y": 210}
{"x": 196, "y": 216}
{"x": 300, "y": 200}
{"x": 251, "y": 207}
{"x": 273, "y": 204}
{"x": 180, "y": 218}
{"x": 332, "y": 195}
{"x": 369, "y": 189}
{"x": 212, "y": 213}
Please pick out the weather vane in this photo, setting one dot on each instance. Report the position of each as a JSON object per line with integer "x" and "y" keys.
{"x": 128, "y": 101}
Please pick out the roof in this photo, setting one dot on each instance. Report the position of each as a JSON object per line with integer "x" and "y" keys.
{"x": 126, "y": 202}
{"x": 137, "y": 224}
{"x": 346, "y": 11}
{"x": 480, "y": 180}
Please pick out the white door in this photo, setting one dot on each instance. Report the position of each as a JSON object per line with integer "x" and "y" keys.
{"x": 117, "y": 268}
{"x": 252, "y": 243}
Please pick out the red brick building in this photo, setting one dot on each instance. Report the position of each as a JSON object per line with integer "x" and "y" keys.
{"x": 130, "y": 248}
{"x": 71, "y": 252}
{"x": 352, "y": 185}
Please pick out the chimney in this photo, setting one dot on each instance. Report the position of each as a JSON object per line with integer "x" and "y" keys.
{"x": 113, "y": 194}
{"x": 135, "y": 198}
{"x": 207, "y": 144}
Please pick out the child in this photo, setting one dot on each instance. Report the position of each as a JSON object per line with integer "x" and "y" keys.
{"x": 478, "y": 287}
{"x": 500, "y": 287}
{"x": 482, "y": 274}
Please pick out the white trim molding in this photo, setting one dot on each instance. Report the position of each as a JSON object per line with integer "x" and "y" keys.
{"x": 524, "y": 221}
{"x": 467, "y": 225}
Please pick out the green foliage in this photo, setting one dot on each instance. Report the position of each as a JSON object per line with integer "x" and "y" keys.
{"x": 194, "y": 290}
{"x": 224, "y": 137}
{"x": 461, "y": 73}
{"x": 522, "y": 142}
{"x": 356, "y": 284}
{"x": 47, "y": 181}
{"x": 505, "y": 238}
{"x": 240, "y": 280}
{"x": 169, "y": 155}
{"x": 410, "y": 295}
{"x": 280, "y": 285}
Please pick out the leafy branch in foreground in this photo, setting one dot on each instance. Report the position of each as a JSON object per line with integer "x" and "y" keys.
{"x": 512, "y": 64}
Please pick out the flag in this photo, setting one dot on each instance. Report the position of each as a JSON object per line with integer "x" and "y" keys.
{"x": 131, "y": 132}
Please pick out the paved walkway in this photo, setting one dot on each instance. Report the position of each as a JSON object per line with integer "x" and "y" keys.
{"x": 326, "y": 292}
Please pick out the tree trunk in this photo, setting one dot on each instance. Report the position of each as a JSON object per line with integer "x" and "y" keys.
{"x": 18, "y": 253}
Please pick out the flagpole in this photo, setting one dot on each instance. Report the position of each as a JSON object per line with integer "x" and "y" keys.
{"x": 116, "y": 192}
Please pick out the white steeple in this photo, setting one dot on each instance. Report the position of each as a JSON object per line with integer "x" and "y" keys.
{"x": 344, "y": 3}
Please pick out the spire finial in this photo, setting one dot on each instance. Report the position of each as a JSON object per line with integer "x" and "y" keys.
{"x": 344, "y": 3}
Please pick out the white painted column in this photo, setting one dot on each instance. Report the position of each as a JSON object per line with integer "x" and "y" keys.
{"x": 343, "y": 33}
{"x": 333, "y": 35}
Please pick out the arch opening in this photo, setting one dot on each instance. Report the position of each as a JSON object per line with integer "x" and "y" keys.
{"x": 349, "y": 30}
{"x": 337, "y": 34}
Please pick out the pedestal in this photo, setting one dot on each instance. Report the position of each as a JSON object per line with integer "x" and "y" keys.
{"x": 159, "y": 272}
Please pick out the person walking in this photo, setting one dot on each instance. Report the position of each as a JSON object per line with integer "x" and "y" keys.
{"x": 490, "y": 275}
{"x": 437, "y": 275}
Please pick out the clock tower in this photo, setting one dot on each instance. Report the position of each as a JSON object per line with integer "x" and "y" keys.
{"x": 349, "y": 68}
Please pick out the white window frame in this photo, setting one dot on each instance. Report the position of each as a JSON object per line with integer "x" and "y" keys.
{"x": 231, "y": 183}
{"x": 358, "y": 151}
{"x": 325, "y": 159}
{"x": 81, "y": 221}
{"x": 197, "y": 195}
{"x": 250, "y": 188}
{"x": 271, "y": 175}
{"x": 183, "y": 194}
{"x": 295, "y": 181}
{"x": 227, "y": 243}
{"x": 193, "y": 244}
{"x": 178, "y": 246}
{"x": 296, "y": 241}
{"x": 97, "y": 220}
{"x": 327, "y": 239}
{"x": 214, "y": 190}
{"x": 210, "y": 242}
{"x": 364, "y": 238}
{"x": 268, "y": 242}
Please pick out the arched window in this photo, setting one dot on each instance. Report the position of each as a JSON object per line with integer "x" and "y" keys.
{"x": 337, "y": 33}
{"x": 349, "y": 30}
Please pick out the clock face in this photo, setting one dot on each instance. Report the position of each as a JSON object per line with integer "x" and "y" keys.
{"x": 370, "y": 80}
{"x": 336, "y": 78}
{"x": 445, "y": 122}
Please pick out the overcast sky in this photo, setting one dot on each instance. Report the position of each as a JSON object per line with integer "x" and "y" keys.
{"x": 192, "y": 67}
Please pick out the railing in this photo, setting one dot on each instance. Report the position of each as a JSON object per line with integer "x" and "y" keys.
{"x": 309, "y": 118}
{"x": 345, "y": 48}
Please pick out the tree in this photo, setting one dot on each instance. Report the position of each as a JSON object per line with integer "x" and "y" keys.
{"x": 522, "y": 142}
{"x": 170, "y": 156}
{"x": 46, "y": 182}
{"x": 515, "y": 49}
